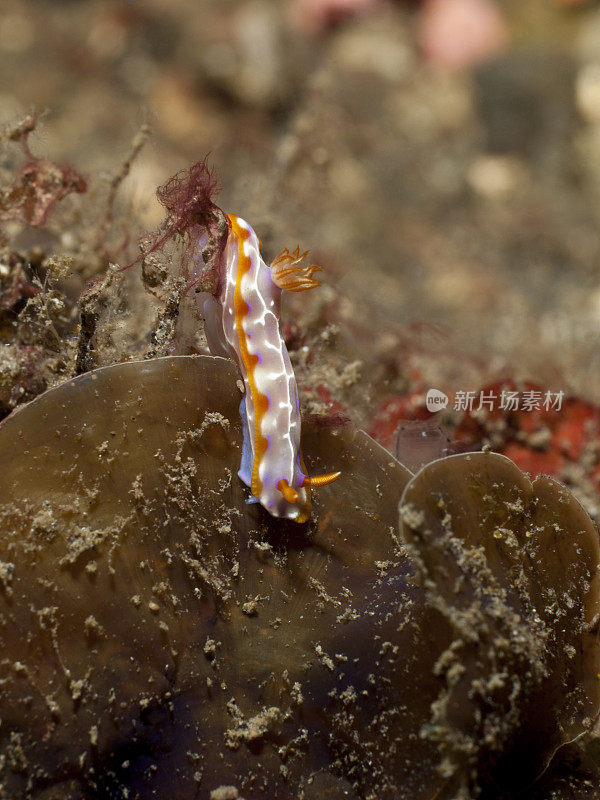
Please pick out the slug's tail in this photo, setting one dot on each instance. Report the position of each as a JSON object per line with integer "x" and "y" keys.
{"x": 288, "y": 273}
{"x": 292, "y": 496}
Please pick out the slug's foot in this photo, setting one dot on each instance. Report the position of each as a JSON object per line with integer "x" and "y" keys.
{"x": 287, "y": 273}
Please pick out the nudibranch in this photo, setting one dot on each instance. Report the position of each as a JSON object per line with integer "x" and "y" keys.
{"x": 244, "y": 324}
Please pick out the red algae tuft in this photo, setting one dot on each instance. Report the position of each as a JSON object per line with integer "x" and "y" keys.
{"x": 194, "y": 219}
{"x": 39, "y": 185}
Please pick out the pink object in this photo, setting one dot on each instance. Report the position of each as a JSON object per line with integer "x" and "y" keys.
{"x": 421, "y": 441}
{"x": 461, "y": 33}
{"x": 318, "y": 15}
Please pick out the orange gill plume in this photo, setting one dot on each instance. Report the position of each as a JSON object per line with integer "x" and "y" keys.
{"x": 287, "y": 272}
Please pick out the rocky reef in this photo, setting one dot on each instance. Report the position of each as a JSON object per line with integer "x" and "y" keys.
{"x": 161, "y": 637}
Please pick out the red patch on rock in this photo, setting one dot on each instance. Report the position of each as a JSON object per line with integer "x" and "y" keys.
{"x": 541, "y": 440}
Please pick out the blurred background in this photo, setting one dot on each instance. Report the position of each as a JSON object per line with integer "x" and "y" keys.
{"x": 440, "y": 158}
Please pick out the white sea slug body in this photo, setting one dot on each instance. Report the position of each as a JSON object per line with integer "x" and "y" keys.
{"x": 249, "y": 306}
